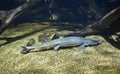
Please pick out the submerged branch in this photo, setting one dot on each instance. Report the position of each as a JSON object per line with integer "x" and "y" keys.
{"x": 11, "y": 15}
{"x": 101, "y": 25}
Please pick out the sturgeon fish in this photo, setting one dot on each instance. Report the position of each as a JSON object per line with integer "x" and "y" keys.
{"x": 63, "y": 42}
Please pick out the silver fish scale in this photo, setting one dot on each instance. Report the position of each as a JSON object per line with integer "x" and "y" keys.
{"x": 66, "y": 41}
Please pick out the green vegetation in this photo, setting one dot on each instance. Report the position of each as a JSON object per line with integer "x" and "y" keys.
{"x": 100, "y": 59}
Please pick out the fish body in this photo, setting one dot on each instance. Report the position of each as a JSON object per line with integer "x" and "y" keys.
{"x": 66, "y": 42}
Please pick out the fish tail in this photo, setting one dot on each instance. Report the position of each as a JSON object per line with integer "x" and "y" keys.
{"x": 26, "y": 49}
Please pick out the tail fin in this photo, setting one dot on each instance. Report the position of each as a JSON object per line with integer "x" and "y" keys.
{"x": 26, "y": 49}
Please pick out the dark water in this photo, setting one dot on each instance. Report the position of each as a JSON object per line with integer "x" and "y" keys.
{"x": 9, "y": 4}
{"x": 81, "y": 11}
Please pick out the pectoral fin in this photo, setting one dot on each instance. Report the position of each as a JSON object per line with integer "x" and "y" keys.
{"x": 57, "y": 47}
{"x": 82, "y": 47}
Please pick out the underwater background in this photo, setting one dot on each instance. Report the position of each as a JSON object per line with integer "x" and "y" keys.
{"x": 42, "y": 22}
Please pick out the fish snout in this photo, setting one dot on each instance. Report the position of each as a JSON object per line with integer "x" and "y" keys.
{"x": 100, "y": 41}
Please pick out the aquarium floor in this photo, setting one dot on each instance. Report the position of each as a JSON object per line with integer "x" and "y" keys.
{"x": 100, "y": 59}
